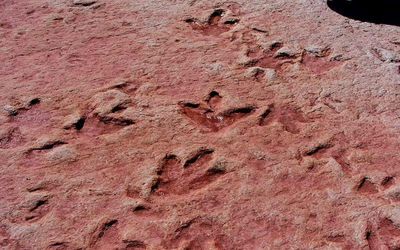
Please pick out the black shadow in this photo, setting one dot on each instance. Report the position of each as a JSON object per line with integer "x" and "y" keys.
{"x": 373, "y": 11}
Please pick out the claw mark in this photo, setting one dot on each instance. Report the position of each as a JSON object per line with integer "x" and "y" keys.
{"x": 84, "y": 3}
{"x": 318, "y": 149}
{"x": 387, "y": 181}
{"x": 264, "y": 118}
{"x": 168, "y": 174}
{"x": 38, "y": 204}
{"x": 366, "y": 186}
{"x": 38, "y": 209}
{"x": 134, "y": 244}
{"x": 232, "y": 21}
{"x": 118, "y": 108}
{"x": 120, "y": 121}
{"x": 48, "y": 145}
{"x": 197, "y": 157}
{"x": 106, "y": 231}
{"x": 336, "y": 238}
{"x": 191, "y": 105}
{"x": 106, "y": 227}
{"x": 260, "y": 30}
{"x": 240, "y": 111}
{"x": 184, "y": 226}
{"x": 370, "y": 237}
{"x": 58, "y": 245}
{"x": 210, "y": 176}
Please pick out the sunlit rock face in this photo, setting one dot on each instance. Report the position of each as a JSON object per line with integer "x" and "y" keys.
{"x": 198, "y": 125}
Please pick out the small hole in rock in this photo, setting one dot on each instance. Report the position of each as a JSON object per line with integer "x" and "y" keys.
{"x": 368, "y": 235}
{"x": 231, "y": 22}
{"x": 107, "y": 226}
{"x": 80, "y": 123}
{"x": 276, "y": 46}
{"x": 38, "y": 204}
{"x": 190, "y": 20}
{"x": 139, "y": 208}
{"x": 213, "y": 94}
{"x": 191, "y": 105}
{"x": 118, "y": 108}
{"x": 215, "y": 16}
{"x": 34, "y": 101}
{"x": 155, "y": 186}
{"x": 388, "y": 180}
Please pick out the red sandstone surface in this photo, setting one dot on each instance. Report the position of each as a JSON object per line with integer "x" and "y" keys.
{"x": 202, "y": 124}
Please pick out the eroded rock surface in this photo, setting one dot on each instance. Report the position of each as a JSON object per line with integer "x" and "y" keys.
{"x": 197, "y": 125}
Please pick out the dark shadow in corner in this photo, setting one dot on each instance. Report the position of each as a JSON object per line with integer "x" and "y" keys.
{"x": 373, "y": 11}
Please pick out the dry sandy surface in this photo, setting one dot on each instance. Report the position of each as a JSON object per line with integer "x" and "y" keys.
{"x": 197, "y": 124}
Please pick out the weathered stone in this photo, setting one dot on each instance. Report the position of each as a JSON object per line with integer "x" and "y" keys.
{"x": 197, "y": 125}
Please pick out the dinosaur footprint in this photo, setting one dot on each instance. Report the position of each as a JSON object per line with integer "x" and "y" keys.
{"x": 215, "y": 25}
{"x": 176, "y": 177}
{"x": 206, "y": 115}
{"x": 288, "y": 116}
{"x": 384, "y": 235}
{"x": 109, "y": 111}
{"x": 319, "y": 62}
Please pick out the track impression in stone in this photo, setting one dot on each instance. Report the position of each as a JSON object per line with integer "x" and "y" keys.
{"x": 37, "y": 209}
{"x": 107, "y": 235}
{"x": 267, "y": 58}
{"x": 22, "y": 115}
{"x": 384, "y": 235}
{"x": 197, "y": 233}
{"x": 319, "y": 63}
{"x": 48, "y": 152}
{"x": 11, "y": 137}
{"x": 276, "y": 56}
{"x": 338, "y": 148}
{"x": 214, "y": 24}
{"x": 175, "y": 177}
{"x": 206, "y": 116}
{"x": 288, "y": 116}
{"x": 110, "y": 111}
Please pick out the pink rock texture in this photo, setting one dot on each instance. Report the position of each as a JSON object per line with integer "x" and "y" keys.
{"x": 197, "y": 124}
